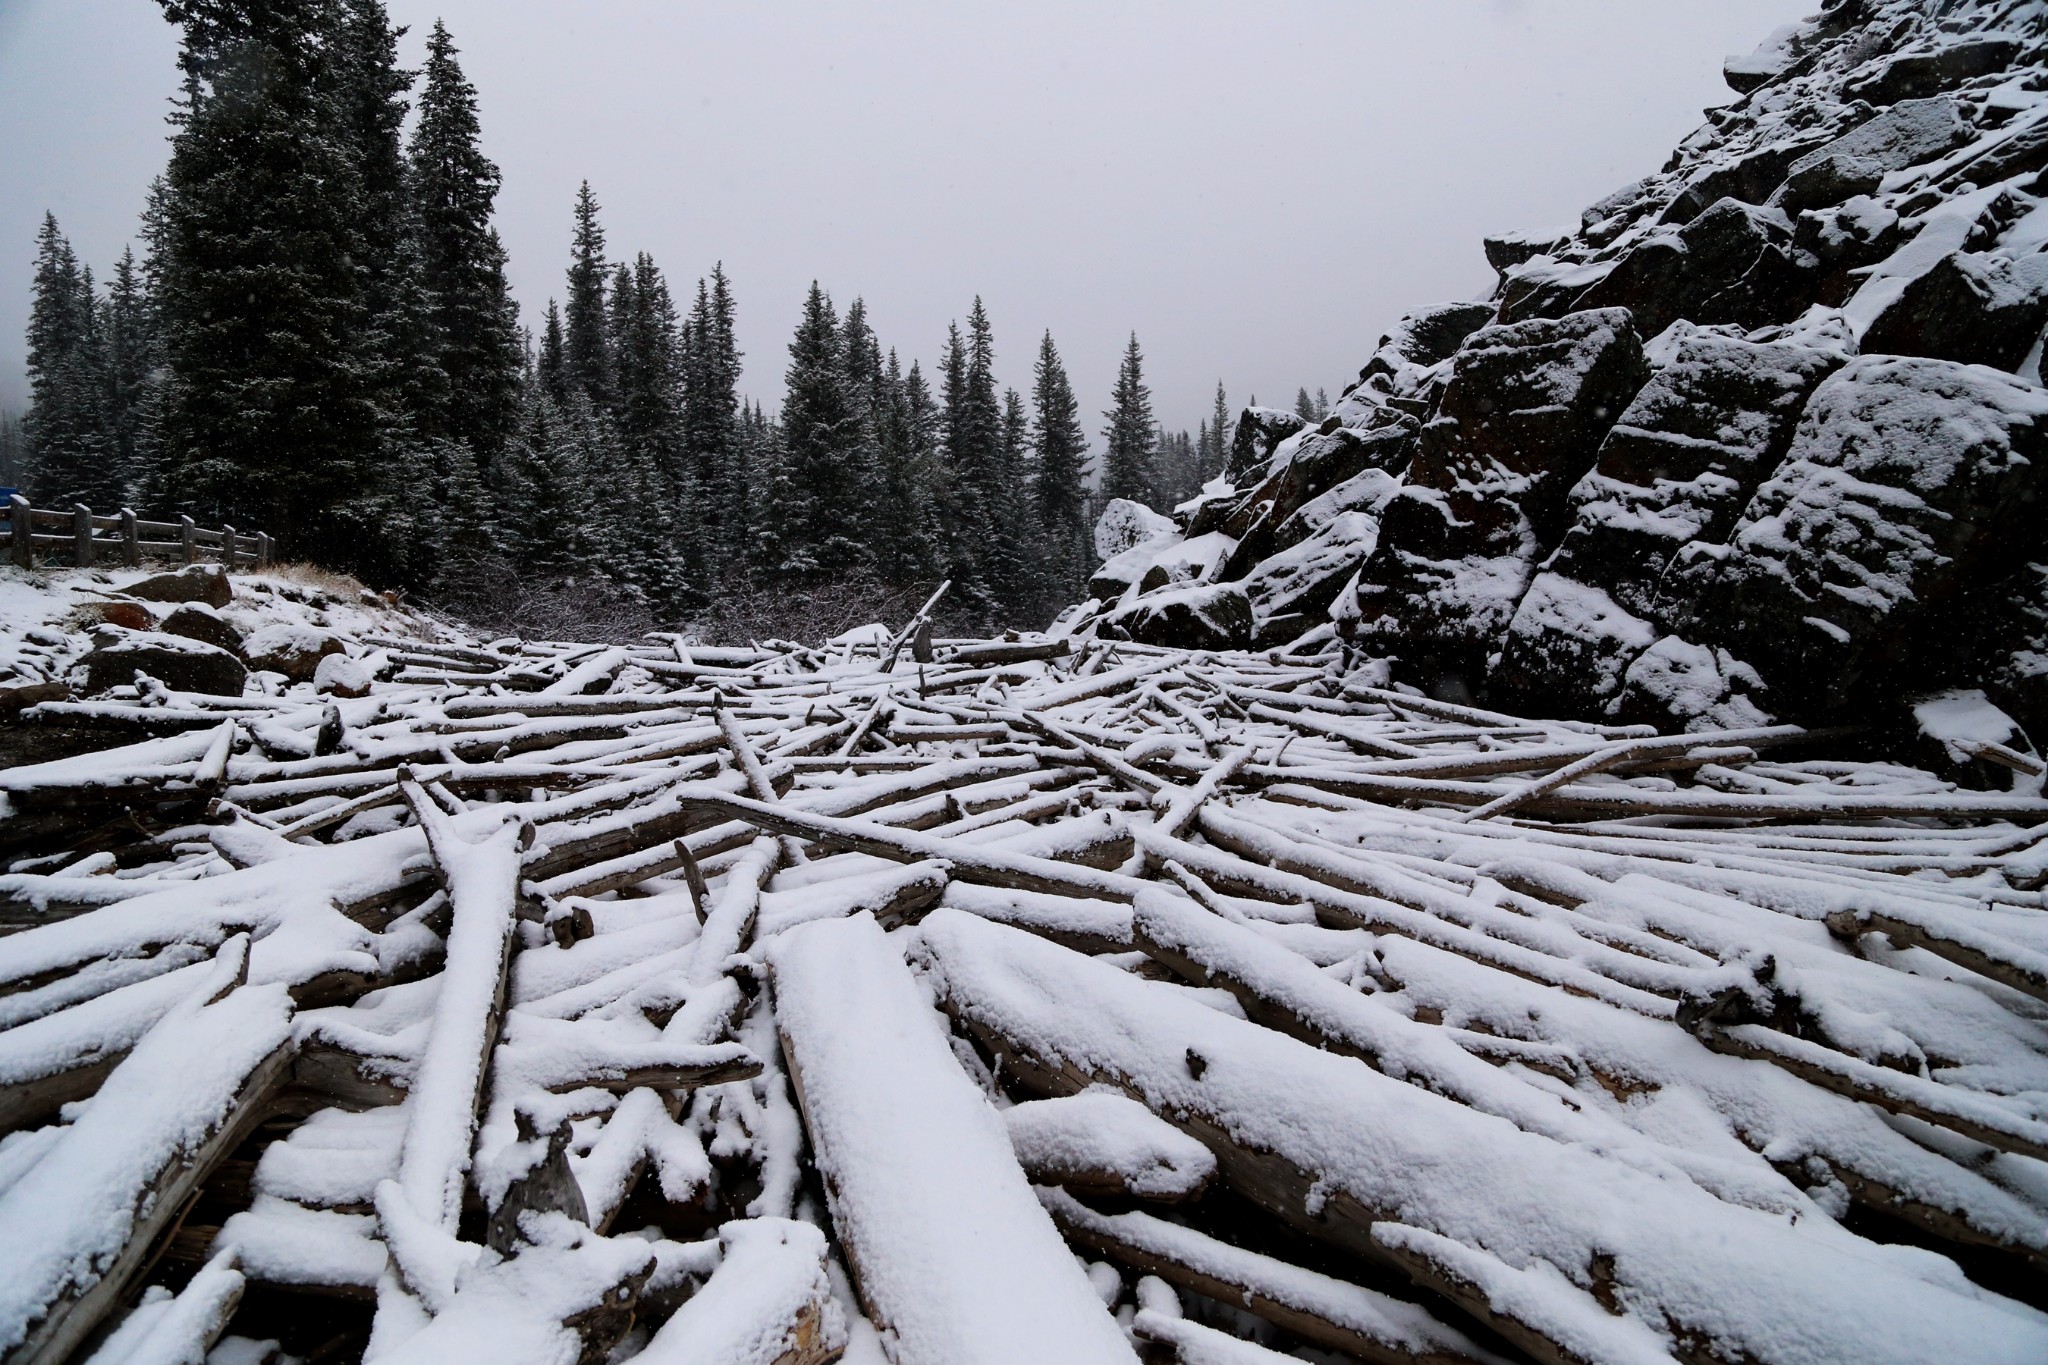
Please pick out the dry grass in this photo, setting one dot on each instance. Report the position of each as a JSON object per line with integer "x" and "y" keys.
{"x": 314, "y": 578}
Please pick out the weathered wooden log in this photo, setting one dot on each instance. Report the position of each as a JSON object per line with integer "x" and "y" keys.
{"x": 943, "y": 1191}
{"x": 1317, "y": 1307}
{"x": 142, "y": 1149}
{"x": 1344, "y": 1155}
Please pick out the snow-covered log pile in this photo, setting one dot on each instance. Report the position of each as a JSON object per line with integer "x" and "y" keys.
{"x": 1020, "y": 1001}
{"x": 1761, "y": 437}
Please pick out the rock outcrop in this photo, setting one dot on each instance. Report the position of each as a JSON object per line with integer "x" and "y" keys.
{"x": 1762, "y": 438}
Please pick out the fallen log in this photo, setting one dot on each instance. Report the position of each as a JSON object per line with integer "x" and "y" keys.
{"x": 943, "y": 1190}
{"x": 1327, "y": 1311}
{"x": 1338, "y": 1151}
{"x": 192, "y": 1089}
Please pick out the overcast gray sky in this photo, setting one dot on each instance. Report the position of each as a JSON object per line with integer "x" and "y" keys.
{"x": 1259, "y": 190}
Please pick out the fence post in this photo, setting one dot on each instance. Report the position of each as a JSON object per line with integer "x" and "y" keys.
{"x": 263, "y": 549}
{"x": 81, "y": 535}
{"x": 131, "y": 539}
{"x": 19, "y": 523}
{"x": 191, "y": 541}
{"x": 227, "y": 547}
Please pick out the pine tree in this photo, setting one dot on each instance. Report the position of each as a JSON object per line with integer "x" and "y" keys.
{"x": 819, "y": 481}
{"x": 1059, "y": 492}
{"x": 980, "y": 439}
{"x": 586, "y": 350}
{"x": 69, "y": 450}
{"x": 711, "y": 431}
{"x": 960, "y": 535}
{"x": 905, "y": 452}
{"x": 453, "y": 189}
{"x": 1012, "y": 557}
{"x": 272, "y": 412}
{"x": 131, "y": 378}
{"x": 551, "y": 367}
{"x": 648, "y": 371}
{"x": 11, "y": 449}
{"x": 1129, "y": 439}
{"x": 1222, "y": 431}
{"x": 860, "y": 362}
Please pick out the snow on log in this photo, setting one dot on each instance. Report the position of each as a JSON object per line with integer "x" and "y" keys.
{"x": 1340, "y": 1151}
{"x": 482, "y": 879}
{"x": 81, "y": 1223}
{"x": 768, "y": 1303}
{"x": 1327, "y": 1311}
{"x": 177, "y": 1330}
{"x": 954, "y": 1259}
{"x": 1103, "y": 1142}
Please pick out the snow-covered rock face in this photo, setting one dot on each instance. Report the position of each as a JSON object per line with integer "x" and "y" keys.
{"x": 1760, "y": 436}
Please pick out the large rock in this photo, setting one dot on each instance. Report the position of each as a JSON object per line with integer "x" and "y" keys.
{"x": 1205, "y": 616}
{"x": 197, "y": 621}
{"x": 1525, "y": 410}
{"x": 1909, "y": 486}
{"x": 1258, "y": 432}
{"x": 1734, "y": 263}
{"x": 293, "y": 650}
{"x": 1677, "y": 685}
{"x": 180, "y": 664}
{"x": 1678, "y": 467}
{"x": 1858, "y": 161}
{"x": 1124, "y": 525}
{"x": 1912, "y": 75}
{"x": 1976, "y": 308}
{"x": 1426, "y": 337}
{"x": 1750, "y": 178}
{"x": 2015, "y": 631}
{"x": 206, "y": 583}
{"x": 1304, "y": 465}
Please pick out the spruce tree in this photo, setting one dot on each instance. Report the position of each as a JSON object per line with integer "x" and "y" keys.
{"x": 1222, "y": 430}
{"x": 717, "y": 471}
{"x": 474, "y": 324}
{"x": 1059, "y": 493}
{"x": 1012, "y": 557}
{"x": 586, "y": 347}
{"x": 69, "y": 452}
{"x": 131, "y": 379}
{"x": 817, "y": 492}
{"x": 902, "y": 520}
{"x": 272, "y": 412}
{"x": 1130, "y": 436}
{"x": 551, "y": 367}
{"x": 960, "y": 534}
{"x": 11, "y": 449}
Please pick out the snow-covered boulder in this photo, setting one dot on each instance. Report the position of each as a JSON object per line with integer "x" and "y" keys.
{"x": 294, "y": 650}
{"x": 1204, "y": 616}
{"x": 206, "y": 583}
{"x": 339, "y": 675}
{"x": 1970, "y": 306}
{"x": 1124, "y": 525}
{"x": 1910, "y": 485}
{"x": 178, "y": 663}
{"x": 1679, "y": 467}
{"x": 1522, "y": 417}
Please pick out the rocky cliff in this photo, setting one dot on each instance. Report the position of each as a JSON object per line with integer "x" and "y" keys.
{"x": 1764, "y": 436}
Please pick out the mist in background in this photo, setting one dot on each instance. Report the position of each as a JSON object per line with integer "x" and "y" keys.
{"x": 1259, "y": 191}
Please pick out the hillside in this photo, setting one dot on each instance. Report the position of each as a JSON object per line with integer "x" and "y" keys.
{"x": 1762, "y": 437}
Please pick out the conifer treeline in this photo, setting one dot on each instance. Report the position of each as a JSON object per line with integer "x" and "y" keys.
{"x": 318, "y": 341}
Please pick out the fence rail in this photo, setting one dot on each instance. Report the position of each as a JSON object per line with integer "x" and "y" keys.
{"x": 124, "y": 538}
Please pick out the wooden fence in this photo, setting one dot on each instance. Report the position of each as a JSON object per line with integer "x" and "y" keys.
{"x": 124, "y": 538}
